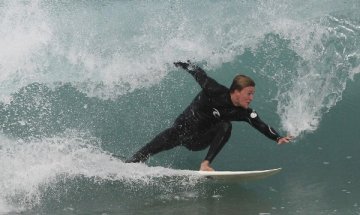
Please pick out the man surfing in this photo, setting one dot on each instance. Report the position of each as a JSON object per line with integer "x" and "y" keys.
{"x": 206, "y": 122}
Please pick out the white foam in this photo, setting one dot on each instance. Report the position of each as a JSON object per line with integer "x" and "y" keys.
{"x": 307, "y": 93}
{"x": 23, "y": 32}
{"x": 317, "y": 87}
{"x": 30, "y": 167}
{"x": 107, "y": 50}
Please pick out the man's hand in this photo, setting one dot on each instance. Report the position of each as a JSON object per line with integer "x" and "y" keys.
{"x": 205, "y": 166}
{"x": 283, "y": 140}
{"x": 182, "y": 64}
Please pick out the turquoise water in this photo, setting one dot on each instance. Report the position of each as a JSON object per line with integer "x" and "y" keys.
{"x": 82, "y": 80}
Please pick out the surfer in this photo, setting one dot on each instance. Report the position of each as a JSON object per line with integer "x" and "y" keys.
{"x": 206, "y": 122}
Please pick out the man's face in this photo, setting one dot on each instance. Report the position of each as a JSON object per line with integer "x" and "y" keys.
{"x": 244, "y": 97}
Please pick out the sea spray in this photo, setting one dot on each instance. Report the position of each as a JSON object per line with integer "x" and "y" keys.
{"x": 312, "y": 69}
{"x": 30, "y": 168}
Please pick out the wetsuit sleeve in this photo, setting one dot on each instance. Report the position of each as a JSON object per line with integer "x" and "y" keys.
{"x": 255, "y": 121}
{"x": 208, "y": 84}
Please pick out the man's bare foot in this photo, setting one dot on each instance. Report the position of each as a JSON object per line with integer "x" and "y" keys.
{"x": 205, "y": 166}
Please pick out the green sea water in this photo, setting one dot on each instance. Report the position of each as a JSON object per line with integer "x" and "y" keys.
{"x": 81, "y": 81}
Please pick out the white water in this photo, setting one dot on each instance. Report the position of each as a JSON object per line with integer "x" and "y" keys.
{"x": 29, "y": 168}
{"x": 306, "y": 94}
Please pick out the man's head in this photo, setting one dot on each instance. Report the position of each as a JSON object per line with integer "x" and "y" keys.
{"x": 242, "y": 91}
{"x": 240, "y": 82}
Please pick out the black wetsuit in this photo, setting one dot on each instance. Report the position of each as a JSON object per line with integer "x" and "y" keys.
{"x": 205, "y": 122}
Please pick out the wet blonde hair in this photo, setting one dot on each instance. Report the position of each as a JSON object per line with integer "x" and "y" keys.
{"x": 240, "y": 82}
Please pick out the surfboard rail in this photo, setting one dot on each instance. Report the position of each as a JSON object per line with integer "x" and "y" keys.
{"x": 239, "y": 175}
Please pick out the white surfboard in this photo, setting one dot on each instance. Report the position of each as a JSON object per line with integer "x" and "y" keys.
{"x": 239, "y": 175}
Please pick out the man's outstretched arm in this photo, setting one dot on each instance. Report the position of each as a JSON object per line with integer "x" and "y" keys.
{"x": 268, "y": 131}
{"x": 206, "y": 83}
